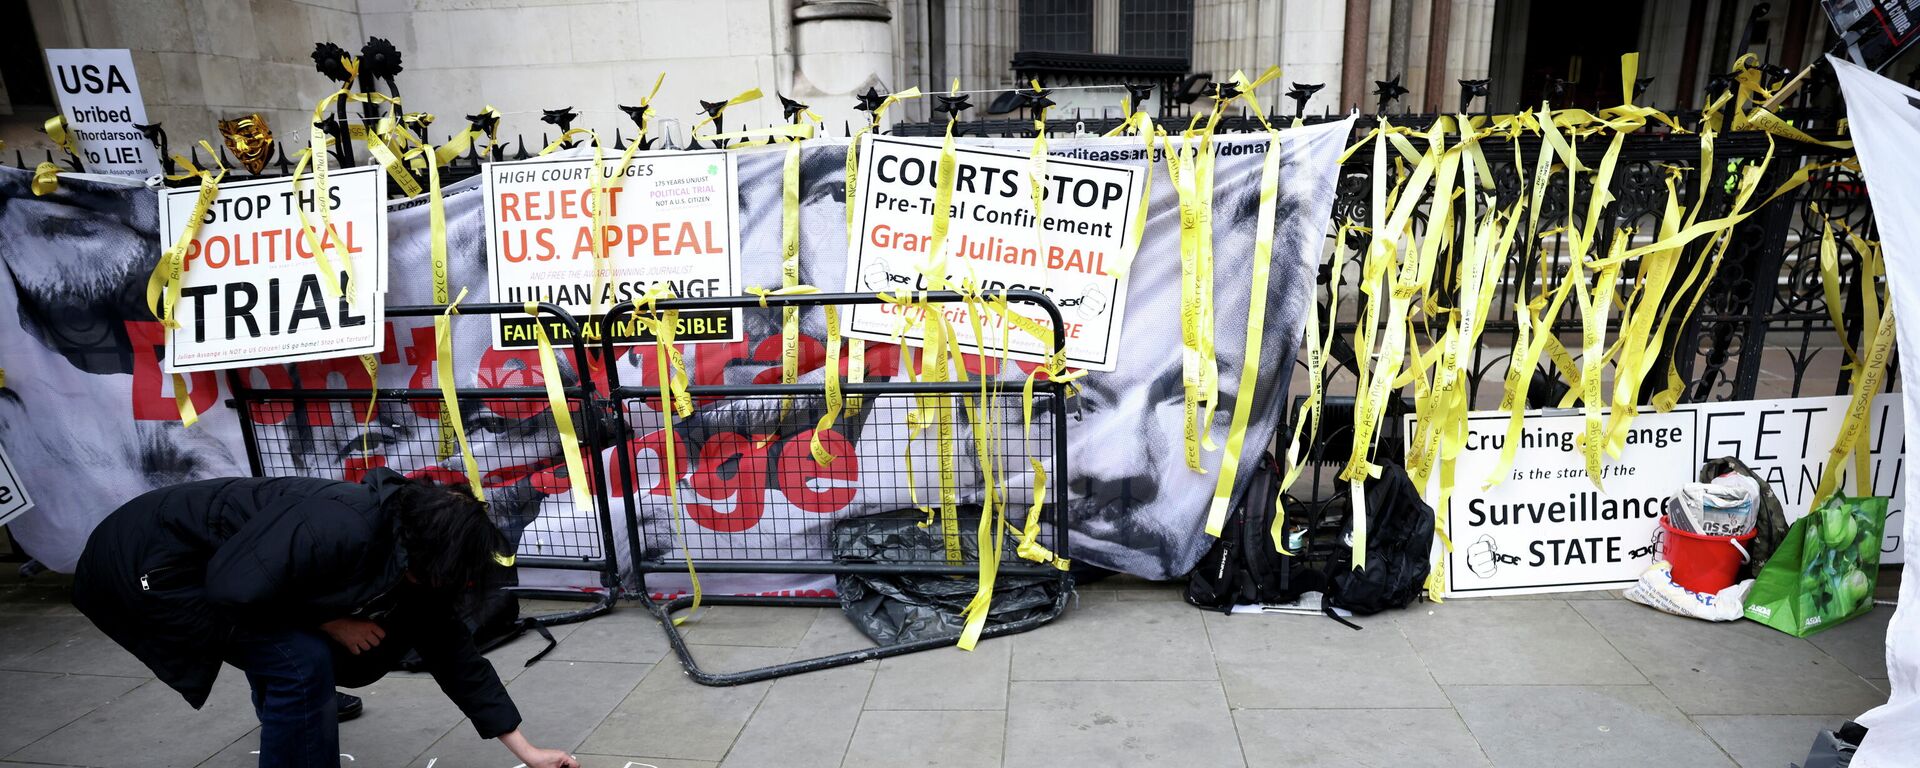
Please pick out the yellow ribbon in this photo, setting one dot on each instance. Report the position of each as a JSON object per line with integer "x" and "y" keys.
{"x": 443, "y": 368}
{"x": 562, "y": 413}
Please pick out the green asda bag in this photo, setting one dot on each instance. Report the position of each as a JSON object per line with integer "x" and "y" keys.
{"x": 1824, "y": 571}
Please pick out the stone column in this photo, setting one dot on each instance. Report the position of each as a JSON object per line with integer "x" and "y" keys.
{"x": 841, "y": 48}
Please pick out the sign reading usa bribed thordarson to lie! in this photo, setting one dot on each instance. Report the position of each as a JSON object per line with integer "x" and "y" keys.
{"x": 671, "y": 219}
{"x": 1071, "y": 249}
{"x": 1546, "y": 528}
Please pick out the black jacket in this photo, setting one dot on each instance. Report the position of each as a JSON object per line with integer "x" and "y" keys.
{"x": 171, "y": 573}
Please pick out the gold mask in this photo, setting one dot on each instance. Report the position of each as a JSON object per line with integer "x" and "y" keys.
{"x": 250, "y": 140}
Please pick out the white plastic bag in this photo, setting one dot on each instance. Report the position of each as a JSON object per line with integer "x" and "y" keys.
{"x": 1656, "y": 589}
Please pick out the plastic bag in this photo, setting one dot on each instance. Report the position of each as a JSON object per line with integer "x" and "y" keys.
{"x": 1823, "y": 573}
{"x": 1657, "y": 589}
{"x": 1724, "y": 507}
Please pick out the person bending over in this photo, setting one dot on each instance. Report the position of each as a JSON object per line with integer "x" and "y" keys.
{"x": 303, "y": 584}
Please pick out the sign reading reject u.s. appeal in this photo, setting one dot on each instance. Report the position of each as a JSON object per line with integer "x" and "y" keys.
{"x": 251, "y": 286}
{"x": 995, "y": 241}
{"x": 1546, "y": 528}
{"x": 672, "y": 219}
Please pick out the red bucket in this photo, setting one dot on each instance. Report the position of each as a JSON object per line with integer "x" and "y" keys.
{"x": 1704, "y": 563}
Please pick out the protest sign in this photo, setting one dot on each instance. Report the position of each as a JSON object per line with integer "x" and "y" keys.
{"x": 251, "y": 290}
{"x": 100, "y": 97}
{"x": 14, "y": 500}
{"x": 1546, "y": 528}
{"x": 1786, "y": 442}
{"x": 672, "y": 218}
{"x": 996, "y": 241}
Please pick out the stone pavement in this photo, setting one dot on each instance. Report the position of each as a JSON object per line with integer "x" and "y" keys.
{"x": 1128, "y": 677}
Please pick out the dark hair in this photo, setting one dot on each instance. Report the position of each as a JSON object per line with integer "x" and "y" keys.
{"x": 449, "y": 539}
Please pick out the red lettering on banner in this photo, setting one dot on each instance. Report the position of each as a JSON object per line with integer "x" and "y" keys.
{"x": 152, "y": 390}
{"x": 733, "y": 467}
{"x": 745, "y": 482}
{"x": 798, "y": 470}
{"x": 333, "y": 373}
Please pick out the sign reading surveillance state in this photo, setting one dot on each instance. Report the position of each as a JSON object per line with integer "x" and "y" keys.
{"x": 1546, "y": 528}
{"x": 672, "y": 219}
{"x": 251, "y": 288}
{"x": 100, "y": 97}
{"x": 995, "y": 241}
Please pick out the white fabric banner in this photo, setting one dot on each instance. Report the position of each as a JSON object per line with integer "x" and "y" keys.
{"x": 1885, "y": 121}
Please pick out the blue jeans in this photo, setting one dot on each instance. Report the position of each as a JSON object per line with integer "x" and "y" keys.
{"x": 291, "y": 672}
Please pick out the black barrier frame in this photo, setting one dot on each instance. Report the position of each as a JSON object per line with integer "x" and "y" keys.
{"x": 1053, "y": 508}
{"x": 590, "y": 435}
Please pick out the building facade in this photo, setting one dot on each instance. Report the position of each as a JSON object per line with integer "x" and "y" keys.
{"x": 202, "y": 60}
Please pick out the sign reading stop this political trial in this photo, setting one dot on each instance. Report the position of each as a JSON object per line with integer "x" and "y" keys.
{"x": 671, "y": 219}
{"x": 995, "y": 241}
{"x": 251, "y": 286}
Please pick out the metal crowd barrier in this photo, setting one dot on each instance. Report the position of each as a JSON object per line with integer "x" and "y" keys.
{"x": 762, "y": 432}
{"x": 295, "y": 426}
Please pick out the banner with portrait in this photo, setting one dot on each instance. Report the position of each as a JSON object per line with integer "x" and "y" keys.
{"x": 91, "y": 421}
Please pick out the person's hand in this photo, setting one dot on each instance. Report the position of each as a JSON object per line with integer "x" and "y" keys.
{"x": 356, "y": 635}
{"x": 535, "y": 757}
{"x": 550, "y": 758}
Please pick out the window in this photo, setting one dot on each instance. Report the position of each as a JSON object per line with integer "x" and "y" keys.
{"x": 1058, "y": 26}
{"x": 1156, "y": 28}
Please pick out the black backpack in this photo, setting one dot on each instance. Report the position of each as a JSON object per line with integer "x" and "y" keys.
{"x": 1243, "y": 567}
{"x": 1399, "y": 541}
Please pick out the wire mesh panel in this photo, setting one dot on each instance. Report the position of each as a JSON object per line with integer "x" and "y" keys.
{"x": 752, "y": 493}
{"x": 325, "y": 419}
{"x": 519, "y": 450}
{"x": 908, "y": 480}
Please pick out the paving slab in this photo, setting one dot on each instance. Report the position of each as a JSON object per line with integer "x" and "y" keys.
{"x": 1534, "y": 642}
{"x": 1730, "y": 668}
{"x": 1861, "y": 643}
{"x": 831, "y": 632}
{"x": 1098, "y": 724}
{"x": 945, "y": 678}
{"x": 404, "y": 717}
{"x": 1136, "y": 641}
{"x": 629, "y": 634}
{"x": 561, "y": 703}
{"x": 946, "y": 739}
{"x": 22, "y": 635}
{"x": 748, "y": 625}
{"x": 1282, "y": 662}
{"x": 1766, "y": 741}
{"x": 668, "y": 715}
{"x": 150, "y": 727}
{"x": 611, "y": 761}
{"x": 1603, "y": 726}
{"x": 84, "y": 650}
{"x": 805, "y": 721}
{"x": 38, "y": 703}
{"x": 1330, "y": 738}
{"x": 510, "y": 660}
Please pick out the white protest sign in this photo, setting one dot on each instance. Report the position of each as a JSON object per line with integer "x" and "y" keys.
{"x": 14, "y": 500}
{"x": 251, "y": 291}
{"x": 672, "y": 219}
{"x": 1545, "y": 528}
{"x": 995, "y": 242}
{"x": 100, "y": 97}
{"x": 1786, "y": 442}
